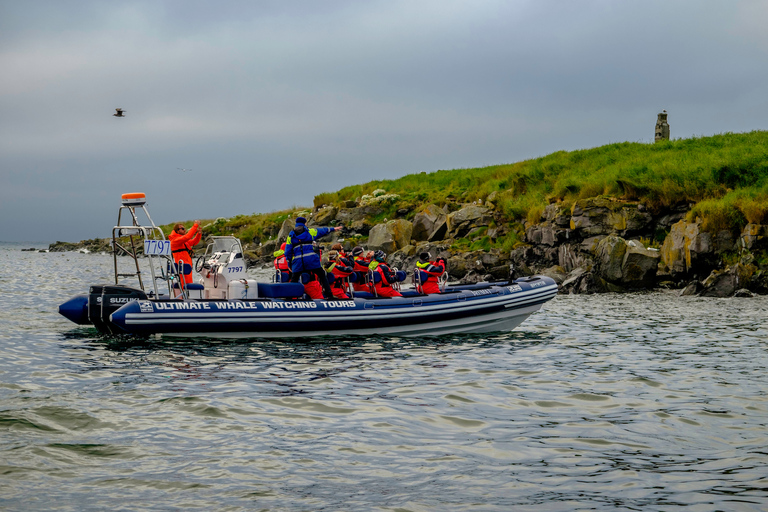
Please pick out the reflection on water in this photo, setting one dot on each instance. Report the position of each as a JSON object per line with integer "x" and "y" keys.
{"x": 644, "y": 402}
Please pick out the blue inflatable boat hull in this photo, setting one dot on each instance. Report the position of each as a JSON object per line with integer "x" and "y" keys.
{"x": 488, "y": 307}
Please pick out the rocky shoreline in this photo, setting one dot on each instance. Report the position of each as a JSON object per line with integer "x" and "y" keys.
{"x": 594, "y": 246}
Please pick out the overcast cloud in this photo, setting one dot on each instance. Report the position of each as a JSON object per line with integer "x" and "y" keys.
{"x": 270, "y": 103}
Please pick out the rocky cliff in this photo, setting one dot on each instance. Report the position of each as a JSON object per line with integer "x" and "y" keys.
{"x": 595, "y": 245}
{"x": 592, "y": 246}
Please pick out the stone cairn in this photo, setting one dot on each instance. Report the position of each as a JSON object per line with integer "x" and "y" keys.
{"x": 662, "y": 127}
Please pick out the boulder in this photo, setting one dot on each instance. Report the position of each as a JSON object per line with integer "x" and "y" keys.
{"x": 356, "y": 219}
{"x": 557, "y": 273}
{"x": 754, "y": 237}
{"x": 572, "y": 279}
{"x": 429, "y": 224}
{"x": 720, "y": 283}
{"x": 458, "y": 267}
{"x": 461, "y": 222}
{"x": 601, "y": 216}
{"x": 693, "y": 288}
{"x": 492, "y": 200}
{"x": 390, "y": 236}
{"x": 268, "y": 248}
{"x": 558, "y": 215}
{"x": 639, "y": 267}
{"x": 569, "y": 256}
{"x": 547, "y": 234}
{"x": 626, "y": 264}
{"x": 686, "y": 249}
{"x": 724, "y": 283}
{"x": 285, "y": 230}
{"x": 323, "y": 216}
{"x": 609, "y": 257}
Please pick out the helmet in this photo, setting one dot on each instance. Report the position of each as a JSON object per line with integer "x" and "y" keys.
{"x": 380, "y": 256}
{"x": 425, "y": 256}
{"x": 357, "y": 251}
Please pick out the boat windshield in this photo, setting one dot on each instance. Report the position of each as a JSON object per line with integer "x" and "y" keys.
{"x": 226, "y": 244}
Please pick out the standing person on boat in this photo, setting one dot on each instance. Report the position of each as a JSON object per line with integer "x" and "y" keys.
{"x": 282, "y": 270}
{"x": 384, "y": 287}
{"x": 360, "y": 262}
{"x": 341, "y": 269}
{"x": 429, "y": 273}
{"x": 182, "y": 242}
{"x": 301, "y": 255}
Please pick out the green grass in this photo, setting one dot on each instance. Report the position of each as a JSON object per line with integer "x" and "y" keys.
{"x": 661, "y": 174}
{"x": 724, "y": 176}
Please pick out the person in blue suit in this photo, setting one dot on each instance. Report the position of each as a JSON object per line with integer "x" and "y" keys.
{"x": 302, "y": 257}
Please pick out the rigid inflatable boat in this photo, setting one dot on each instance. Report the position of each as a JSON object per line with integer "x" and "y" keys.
{"x": 226, "y": 303}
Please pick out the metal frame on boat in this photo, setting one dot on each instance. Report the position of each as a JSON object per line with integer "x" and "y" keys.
{"x": 227, "y": 303}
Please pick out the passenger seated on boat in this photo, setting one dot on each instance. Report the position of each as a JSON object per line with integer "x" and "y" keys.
{"x": 282, "y": 272}
{"x": 340, "y": 269}
{"x": 383, "y": 287}
{"x": 340, "y": 249}
{"x": 428, "y": 273}
{"x": 360, "y": 262}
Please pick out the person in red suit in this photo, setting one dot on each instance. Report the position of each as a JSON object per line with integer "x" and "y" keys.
{"x": 341, "y": 269}
{"x": 430, "y": 272}
{"x": 384, "y": 287}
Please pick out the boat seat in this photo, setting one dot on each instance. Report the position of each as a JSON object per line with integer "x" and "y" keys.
{"x": 189, "y": 286}
{"x": 467, "y": 287}
{"x": 186, "y": 269}
{"x": 410, "y": 293}
{"x": 280, "y": 290}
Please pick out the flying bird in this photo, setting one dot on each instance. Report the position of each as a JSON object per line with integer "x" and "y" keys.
{"x": 119, "y": 112}
{"x": 183, "y": 170}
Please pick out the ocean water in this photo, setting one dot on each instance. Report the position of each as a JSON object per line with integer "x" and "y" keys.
{"x": 603, "y": 402}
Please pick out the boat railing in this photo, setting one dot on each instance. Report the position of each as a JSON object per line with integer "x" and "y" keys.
{"x": 136, "y": 235}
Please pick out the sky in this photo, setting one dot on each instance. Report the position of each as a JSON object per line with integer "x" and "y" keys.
{"x": 269, "y": 103}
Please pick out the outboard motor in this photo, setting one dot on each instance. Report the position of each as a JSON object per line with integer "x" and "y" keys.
{"x": 103, "y": 300}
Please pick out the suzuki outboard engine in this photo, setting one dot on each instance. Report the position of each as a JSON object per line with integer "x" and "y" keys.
{"x": 105, "y": 299}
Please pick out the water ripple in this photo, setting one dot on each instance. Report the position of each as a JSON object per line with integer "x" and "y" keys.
{"x": 638, "y": 402}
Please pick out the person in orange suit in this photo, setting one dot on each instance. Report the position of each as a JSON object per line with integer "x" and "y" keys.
{"x": 182, "y": 242}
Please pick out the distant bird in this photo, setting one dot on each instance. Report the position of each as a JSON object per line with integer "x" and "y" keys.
{"x": 119, "y": 112}
{"x": 183, "y": 170}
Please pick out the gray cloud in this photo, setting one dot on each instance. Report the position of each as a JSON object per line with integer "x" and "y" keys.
{"x": 272, "y": 102}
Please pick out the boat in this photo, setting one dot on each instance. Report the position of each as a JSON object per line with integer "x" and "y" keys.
{"x": 226, "y": 302}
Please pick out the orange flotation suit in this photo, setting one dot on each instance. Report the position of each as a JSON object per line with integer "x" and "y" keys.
{"x": 181, "y": 247}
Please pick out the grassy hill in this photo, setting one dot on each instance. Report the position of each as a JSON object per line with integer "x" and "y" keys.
{"x": 723, "y": 178}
